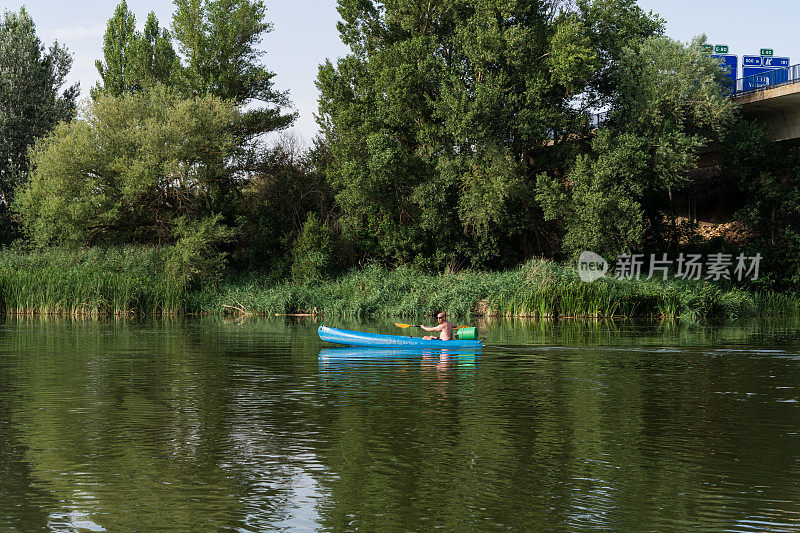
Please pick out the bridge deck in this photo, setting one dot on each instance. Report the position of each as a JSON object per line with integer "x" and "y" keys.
{"x": 778, "y": 108}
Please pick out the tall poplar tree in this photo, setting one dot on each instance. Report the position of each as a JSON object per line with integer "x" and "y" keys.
{"x": 219, "y": 42}
{"x": 116, "y": 73}
{"x": 156, "y": 60}
{"x": 134, "y": 60}
{"x": 31, "y": 101}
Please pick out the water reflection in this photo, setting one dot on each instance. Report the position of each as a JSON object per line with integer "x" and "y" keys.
{"x": 361, "y": 353}
{"x": 252, "y": 426}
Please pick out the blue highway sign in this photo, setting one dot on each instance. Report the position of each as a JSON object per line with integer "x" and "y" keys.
{"x": 763, "y": 77}
{"x": 763, "y": 71}
{"x": 776, "y": 62}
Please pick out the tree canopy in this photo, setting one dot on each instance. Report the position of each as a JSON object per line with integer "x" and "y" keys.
{"x": 31, "y": 100}
{"x": 219, "y": 42}
{"x": 444, "y": 113}
{"x": 667, "y": 105}
{"x": 133, "y": 59}
{"x": 454, "y": 134}
{"x": 130, "y": 169}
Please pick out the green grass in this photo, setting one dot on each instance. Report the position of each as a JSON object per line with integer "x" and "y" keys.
{"x": 131, "y": 280}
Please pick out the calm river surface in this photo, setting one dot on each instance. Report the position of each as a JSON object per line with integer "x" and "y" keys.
{"x": 209, "y": 425}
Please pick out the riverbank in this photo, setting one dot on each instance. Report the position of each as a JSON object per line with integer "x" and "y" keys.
{"x": 132, "y": 280}
{"x": 540, "y": 289}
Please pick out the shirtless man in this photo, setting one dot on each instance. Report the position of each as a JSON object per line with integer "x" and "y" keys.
{"x": 445, "y": 327}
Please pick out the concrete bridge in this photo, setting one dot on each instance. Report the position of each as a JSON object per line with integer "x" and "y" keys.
{"x": 773, "y": 100}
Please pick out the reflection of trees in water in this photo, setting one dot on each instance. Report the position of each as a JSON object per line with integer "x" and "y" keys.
{"x": 239, "y": 425}
{"x": 621, "y": 437}
{"x": 630, "y": 332}
{"x": 22, "y": 502}
{"x": 591, "y": 436}
{"x": 418, "y": 440}
{"x": 153, "y": 415}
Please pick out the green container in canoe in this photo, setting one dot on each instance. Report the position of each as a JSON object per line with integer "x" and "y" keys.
{"x": 467, "y": 334}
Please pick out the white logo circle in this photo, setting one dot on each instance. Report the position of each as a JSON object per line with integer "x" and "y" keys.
{"x": 591, "y": 266}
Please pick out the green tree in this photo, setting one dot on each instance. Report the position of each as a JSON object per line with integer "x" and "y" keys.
{"x": 219, "y": 42}
{"x": 313, "y": 253}
{"x": 129, "y": 169}
{"x": 767, "y": 176}
{"x": 133, "y": 59}
{"x": 286, "y": 185}
{"x": 445, "y": 112}
{"x": 31, "y": 101}
{"x": 600, "y": 210}
{"x": 156, "y": 60}
{"x": 116, "y": 74}
{"x": 668, "y": 102}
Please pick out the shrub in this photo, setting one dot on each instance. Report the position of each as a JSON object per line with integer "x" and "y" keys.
{"x": 195, "y": 258}
{"x": 313, "y": 254}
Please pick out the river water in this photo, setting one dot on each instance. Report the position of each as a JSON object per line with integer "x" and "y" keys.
{"x": 209, "y": 424}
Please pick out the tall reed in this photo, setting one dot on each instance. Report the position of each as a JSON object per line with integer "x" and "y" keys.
{"x": 88, "y": 282}
{"x": 539, "y": 288}
{"x": 132, "y": 280}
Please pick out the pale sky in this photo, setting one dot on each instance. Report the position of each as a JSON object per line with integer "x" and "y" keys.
{"x": 305, "y": 35}
{"x": 745, "y": 27}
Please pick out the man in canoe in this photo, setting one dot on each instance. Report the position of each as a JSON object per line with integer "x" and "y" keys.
{"x": 445, "y": 328}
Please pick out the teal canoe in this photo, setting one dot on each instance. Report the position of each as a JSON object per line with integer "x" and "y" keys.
{"x": 376, "y": 340}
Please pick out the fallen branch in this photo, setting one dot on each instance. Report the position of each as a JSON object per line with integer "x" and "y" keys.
{"x": 238, "y": 307}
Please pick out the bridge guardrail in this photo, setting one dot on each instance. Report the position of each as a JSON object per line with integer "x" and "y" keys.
{"x": 767, "y": 80}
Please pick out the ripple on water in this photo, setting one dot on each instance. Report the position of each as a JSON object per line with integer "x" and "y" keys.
{"x": 250, "y": 427}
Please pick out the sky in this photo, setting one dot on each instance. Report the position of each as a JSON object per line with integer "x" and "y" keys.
{"x": 745, "y": 27}
{"x": 304, "y": 35}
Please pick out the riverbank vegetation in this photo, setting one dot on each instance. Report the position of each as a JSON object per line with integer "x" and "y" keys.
{"x": 142, "y": 281}
{"x": 538, "y": 289}
{"x": 462, "y": 162}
